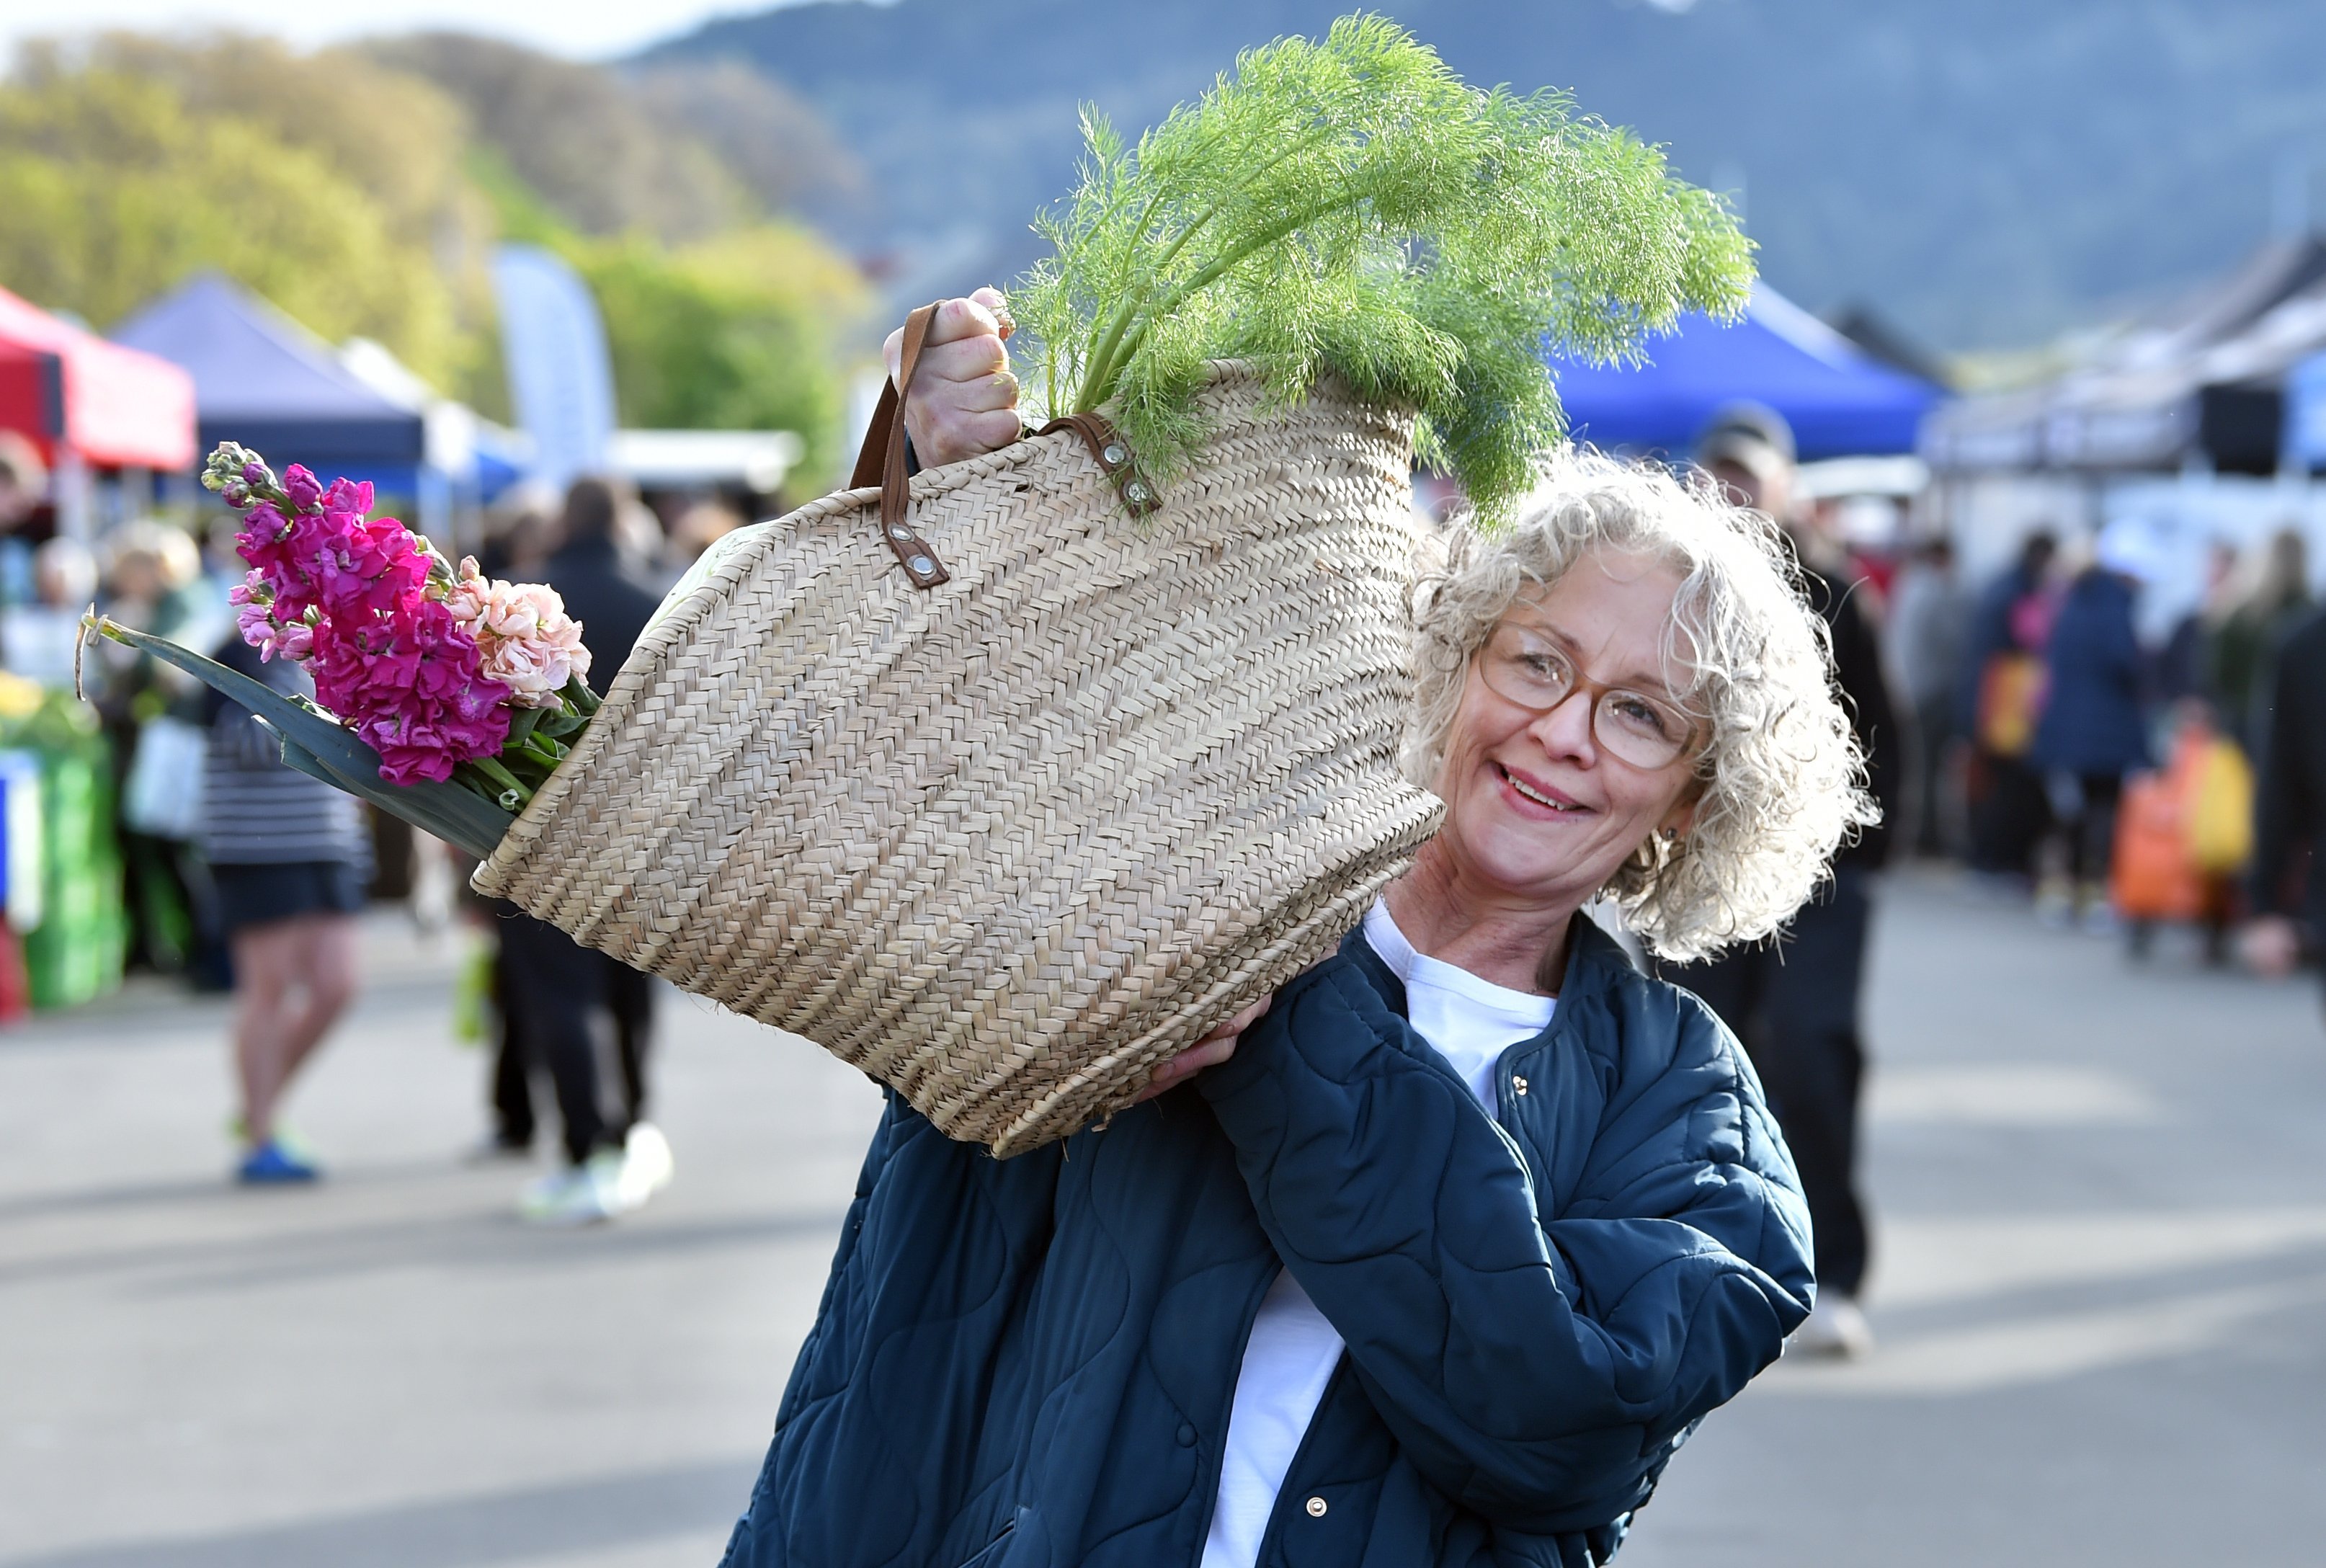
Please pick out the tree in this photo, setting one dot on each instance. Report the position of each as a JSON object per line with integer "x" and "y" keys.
{"x": 577, "y": 136}
{"x": 739, "y": 332}
{"x": 117, "y": 187}
{"x": 785, "y": 153}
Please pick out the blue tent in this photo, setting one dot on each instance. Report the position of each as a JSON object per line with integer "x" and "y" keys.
{"x": 1840, "y": 400}
{"x": 263, "y": 381}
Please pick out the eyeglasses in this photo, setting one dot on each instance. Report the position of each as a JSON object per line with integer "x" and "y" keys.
{"x": 1522, "y": 666}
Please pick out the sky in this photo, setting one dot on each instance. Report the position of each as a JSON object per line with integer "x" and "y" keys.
{"x": 580, "y": 29}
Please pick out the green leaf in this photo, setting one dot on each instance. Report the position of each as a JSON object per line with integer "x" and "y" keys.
{"x": 319, "y": 747}
{"x": 1350, "y": 207}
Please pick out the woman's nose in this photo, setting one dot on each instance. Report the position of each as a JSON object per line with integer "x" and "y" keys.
{"x": 1565, "y": 730}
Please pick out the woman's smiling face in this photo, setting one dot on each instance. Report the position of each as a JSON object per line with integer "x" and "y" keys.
{"x": 1536, "y": 808}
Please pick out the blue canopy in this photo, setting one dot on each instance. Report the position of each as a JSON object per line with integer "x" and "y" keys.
{"x": 1840, "y": 401}
{"x": 263, "y": 381}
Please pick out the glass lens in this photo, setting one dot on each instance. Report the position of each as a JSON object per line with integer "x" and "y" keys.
{"x": 1642, "y": 731}
{"x": 1523, "y": 667}
{"x": 1526, "y": 668}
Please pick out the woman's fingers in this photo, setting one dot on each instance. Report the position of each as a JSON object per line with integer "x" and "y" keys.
{"x": 964, "y": 399}
{"x": 996, "y": 306}
{"x": 1209, "y": 1052}
{"x": 1251, "y": 1014}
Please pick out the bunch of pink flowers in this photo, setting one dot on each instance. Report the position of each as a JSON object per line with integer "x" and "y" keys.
{"x": 430, "y": 665}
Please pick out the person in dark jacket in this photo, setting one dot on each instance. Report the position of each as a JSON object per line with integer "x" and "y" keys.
{"x": 1437, "y": 1258}
{"x": 1795, "y": 1001}
{"x": 551, "y": 986}
{"x": 2002, "y": 684}
{"x": 2288, "y": 886}
{"x": 2094, "y": 729}
{"x": 2243, "y": 651}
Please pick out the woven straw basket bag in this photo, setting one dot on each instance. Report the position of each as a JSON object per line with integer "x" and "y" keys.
{"x": 1013, "y": 810}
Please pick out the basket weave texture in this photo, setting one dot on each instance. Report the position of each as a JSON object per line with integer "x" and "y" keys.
{"x": 1007, "y": 843}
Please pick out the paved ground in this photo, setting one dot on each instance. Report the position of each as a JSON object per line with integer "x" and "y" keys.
{"x": 2103, "y": 1268}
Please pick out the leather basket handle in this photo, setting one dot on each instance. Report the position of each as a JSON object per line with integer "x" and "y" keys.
{"x": 882, "y": 462}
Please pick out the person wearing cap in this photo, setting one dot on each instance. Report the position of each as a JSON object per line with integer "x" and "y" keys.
{"x": 2094, "y": 727}
{"x": 1793, "y": 1000}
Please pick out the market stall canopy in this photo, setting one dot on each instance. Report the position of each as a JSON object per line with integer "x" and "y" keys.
{"x": 265, "y": 381}
{"x": 1840, "y": 400}
{"x": 71, "y": 391}
{"x": 685, "y": 459}
{"x": 2197, "y": 378}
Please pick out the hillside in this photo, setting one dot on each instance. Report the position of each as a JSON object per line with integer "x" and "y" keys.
{"x": 1984, "y": 171}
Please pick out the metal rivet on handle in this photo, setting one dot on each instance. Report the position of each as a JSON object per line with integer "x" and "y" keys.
{"x": 921, "y": 566}
{"x": 1136, "y": 491}
{"x": 1113, "y": 455}
{"x": 898, "y": 532}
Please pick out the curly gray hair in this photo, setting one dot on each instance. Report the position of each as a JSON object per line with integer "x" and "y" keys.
{"x": 1780, "y": 780}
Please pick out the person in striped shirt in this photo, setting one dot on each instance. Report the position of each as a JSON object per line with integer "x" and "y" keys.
{"x": 291, "y": 859}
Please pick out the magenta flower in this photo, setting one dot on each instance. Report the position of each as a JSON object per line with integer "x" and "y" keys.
{"x": 410, "y": 685}
{"x": 345, "y": 595}
{"x": 424, "y": 661}
{"x": 303, "y": 487}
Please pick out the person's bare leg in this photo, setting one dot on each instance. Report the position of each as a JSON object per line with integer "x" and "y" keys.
{"x": 263, "y": 969}
{"x": 325, "y": 968}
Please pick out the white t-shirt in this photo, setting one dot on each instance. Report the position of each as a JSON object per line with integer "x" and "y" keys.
{"x": 1293, "y": 1351}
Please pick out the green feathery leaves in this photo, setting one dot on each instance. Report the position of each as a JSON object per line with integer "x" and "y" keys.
{"x": 1350, "y": 207}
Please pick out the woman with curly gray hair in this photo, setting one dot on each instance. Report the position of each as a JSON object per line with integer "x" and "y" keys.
{"x": 1435, "y": 1258}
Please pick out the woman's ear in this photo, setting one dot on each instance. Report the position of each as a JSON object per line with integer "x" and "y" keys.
{"x": 1682, "y": 817}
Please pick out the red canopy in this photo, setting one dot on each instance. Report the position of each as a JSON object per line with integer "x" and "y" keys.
{"x": 70, "y": 388}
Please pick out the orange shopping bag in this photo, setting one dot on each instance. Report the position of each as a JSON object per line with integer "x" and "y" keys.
{"x": 2154, "y": 876}
{"x": 2010, "y": 701}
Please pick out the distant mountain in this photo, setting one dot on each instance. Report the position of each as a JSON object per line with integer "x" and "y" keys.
{"x": 1983, "y": 172}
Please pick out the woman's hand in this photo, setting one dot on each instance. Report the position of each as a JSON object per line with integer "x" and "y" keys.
{"x": 963, "y": 400}
{"x": 1209, "y": 1052}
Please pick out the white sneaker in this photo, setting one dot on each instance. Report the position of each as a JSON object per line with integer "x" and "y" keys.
{"x": 585, "y": 1194}
{"x": 1834, "y": 1327}
{"x": 646, "y": 1168}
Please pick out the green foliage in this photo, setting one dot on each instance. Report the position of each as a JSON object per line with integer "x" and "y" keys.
{"x": 732, "y": 333}
{"x": 741, "y": 332}
{"x": 123, "y": 172}
{"x": 581, "y": 137}
{"x": 361, "y": 199}
{"x": 1351, "y": 208}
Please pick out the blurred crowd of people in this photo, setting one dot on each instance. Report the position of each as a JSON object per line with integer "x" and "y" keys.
{"x": 2123, "y": 783}
{"x": 237, "y": 872}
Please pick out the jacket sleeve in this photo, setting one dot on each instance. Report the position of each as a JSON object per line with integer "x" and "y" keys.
{"x": 1865, "y": 681}
{"x": 2286, "y": 817}
{"x": 1539, "y": 1374}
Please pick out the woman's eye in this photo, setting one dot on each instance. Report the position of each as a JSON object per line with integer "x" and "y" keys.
{"x": 1640, "y": 714}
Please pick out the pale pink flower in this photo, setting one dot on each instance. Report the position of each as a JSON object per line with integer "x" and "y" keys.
{"x": 527, "y": 641}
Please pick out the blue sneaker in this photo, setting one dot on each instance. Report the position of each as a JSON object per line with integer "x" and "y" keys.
{"x": 272, "y": 1165}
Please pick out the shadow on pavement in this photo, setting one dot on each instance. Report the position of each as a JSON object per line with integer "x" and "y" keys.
{"x": 522, "y": 1523}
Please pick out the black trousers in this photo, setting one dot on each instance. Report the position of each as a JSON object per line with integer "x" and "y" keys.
{"x": 2084, "y": 805}
{"x": 552, "y": 990}
{"x": 1793, "y": 1001}
{"x": 2009, "y": 814}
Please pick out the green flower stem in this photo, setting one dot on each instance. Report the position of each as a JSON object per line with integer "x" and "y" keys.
{"x": 502, "y": 778}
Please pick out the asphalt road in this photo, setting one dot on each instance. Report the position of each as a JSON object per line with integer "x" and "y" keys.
{"x": 2100, "y": 1290}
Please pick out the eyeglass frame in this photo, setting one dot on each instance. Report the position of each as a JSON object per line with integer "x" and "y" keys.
{"x": 1691, "y": 746}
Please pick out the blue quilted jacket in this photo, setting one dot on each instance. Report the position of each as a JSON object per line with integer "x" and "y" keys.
{"x": 1031, "y": 1362}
